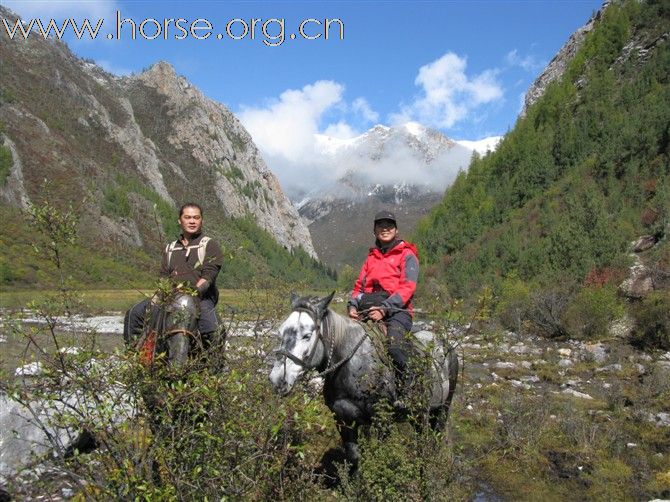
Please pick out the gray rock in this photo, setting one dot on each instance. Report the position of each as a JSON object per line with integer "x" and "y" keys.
{"x": 505, "y": 365}
{"x": 474, "y": 346}
{"x": 520, "y": 349}
{"x": 564, "y": 363}
{"x": 609, "y": 368}
{"x": 643, "y": 243}
{"x": 594, "y": 352}
{"x": 661, "y": 419}
{"x": 574, "y": 393}
{"x": 639, "y": 282}
{"x": 32, "y": 430}
{"x": 520, "y": 385}
{"x": 30, "y": 369}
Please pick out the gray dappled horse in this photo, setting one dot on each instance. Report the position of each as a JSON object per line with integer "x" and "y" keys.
{"x": 315, "y": 337}
{"x": 173, "y": 326}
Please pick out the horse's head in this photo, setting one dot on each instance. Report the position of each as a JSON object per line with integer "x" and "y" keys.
{"x": 181, "y": 314}
{"x": 301, "y": 346}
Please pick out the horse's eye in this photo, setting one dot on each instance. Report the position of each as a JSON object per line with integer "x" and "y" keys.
{"x": 307, "y": 335}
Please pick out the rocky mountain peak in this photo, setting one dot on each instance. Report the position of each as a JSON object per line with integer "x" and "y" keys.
{"x": 148, "y": 138}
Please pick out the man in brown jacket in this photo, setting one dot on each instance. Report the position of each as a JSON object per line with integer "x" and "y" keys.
{"x": 193, "y": 259}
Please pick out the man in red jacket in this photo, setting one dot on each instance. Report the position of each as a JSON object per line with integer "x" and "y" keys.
{"x": 386, "y": 285}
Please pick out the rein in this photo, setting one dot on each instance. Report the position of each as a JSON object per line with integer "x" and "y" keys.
{"x": 319, "y": 336}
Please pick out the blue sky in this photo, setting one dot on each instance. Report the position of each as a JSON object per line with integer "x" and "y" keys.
{"x": 462, "y": 67}
{"x": 459, "y": 66}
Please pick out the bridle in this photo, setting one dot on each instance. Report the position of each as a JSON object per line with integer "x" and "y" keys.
{"x": 305, "y": 363}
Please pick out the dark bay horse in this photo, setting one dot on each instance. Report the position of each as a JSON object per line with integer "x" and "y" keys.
{"x": 356, "y": 378}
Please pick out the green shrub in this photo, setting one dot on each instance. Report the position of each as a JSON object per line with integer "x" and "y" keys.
{"x": 5, "y": 164}
{"x": 115, "y": 202}
{"x": 591, "y": 311}
{"x": 513, "y": 303}
{"x": 652, "y": 321}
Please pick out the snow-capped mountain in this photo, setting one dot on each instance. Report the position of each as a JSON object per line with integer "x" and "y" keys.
{"x": 410, "y": 157}
{"x": 384, "y": 143}
{"x": 404, "y": 168}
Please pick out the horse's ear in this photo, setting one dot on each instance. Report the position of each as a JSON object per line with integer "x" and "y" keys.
{"x": 294, "y": 299}
{"x": 323, "y": 303}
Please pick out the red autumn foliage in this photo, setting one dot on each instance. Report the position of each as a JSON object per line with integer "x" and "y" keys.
{"x": 599, "y": 277}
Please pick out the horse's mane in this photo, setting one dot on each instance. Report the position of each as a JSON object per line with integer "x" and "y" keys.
{"x": 341, "y": 327}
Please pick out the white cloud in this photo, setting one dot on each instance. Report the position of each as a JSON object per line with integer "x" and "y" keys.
{"x": 286, "y": 127}
{"x": 60, "y": 9}
{"x": 113, "y": 69}
{"x": 528, "y": 63}
{"x": 448, "y": 93}
{"x": 340, "y": 130}
{"x": 362, "y": 107}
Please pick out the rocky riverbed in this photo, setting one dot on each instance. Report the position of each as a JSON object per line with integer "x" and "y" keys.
{"x": 558, "y": 418}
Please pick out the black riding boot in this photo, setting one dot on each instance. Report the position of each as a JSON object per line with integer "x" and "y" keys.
{"x": 399, "y": 357}
{"x": 399, "y": 349}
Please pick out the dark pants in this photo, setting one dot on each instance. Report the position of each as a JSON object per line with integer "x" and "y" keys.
{"x": 400, "y": 348}
{"x": 133, "y": 322}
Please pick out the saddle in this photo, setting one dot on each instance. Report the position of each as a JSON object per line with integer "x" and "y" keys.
{"x": 369, "y": 300}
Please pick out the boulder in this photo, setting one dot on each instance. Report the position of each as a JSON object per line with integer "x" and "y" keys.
{"x": 594, "y": 352}
{"x": 639, "y": 282}
{"x": 46, "y": 427}
{"x": 643, "y": 243}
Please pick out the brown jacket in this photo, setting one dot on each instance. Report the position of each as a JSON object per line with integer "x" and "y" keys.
{"x": 184, "y": 266}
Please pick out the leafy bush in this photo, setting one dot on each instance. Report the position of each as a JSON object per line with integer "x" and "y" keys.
{"x": 115, "y": 202}
{"x": 652, "y": 321}
{"x": 5, "y": 164}
{"x": 513, "y": 303}
{"x": 591, "y": 312}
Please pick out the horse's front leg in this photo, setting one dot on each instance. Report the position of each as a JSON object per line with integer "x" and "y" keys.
{"x": 349, "y": 434}
{"x": 348, "y": 416}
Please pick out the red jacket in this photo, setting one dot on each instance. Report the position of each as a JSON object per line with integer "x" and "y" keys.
{"x": 395, "y": 272}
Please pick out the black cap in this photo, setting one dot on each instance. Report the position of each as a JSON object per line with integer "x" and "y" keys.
{"x": 385, "y": 215}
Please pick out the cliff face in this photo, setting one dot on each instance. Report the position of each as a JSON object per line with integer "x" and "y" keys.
{"x": 559, "y": 62}
{"x": 131, "y": 144}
